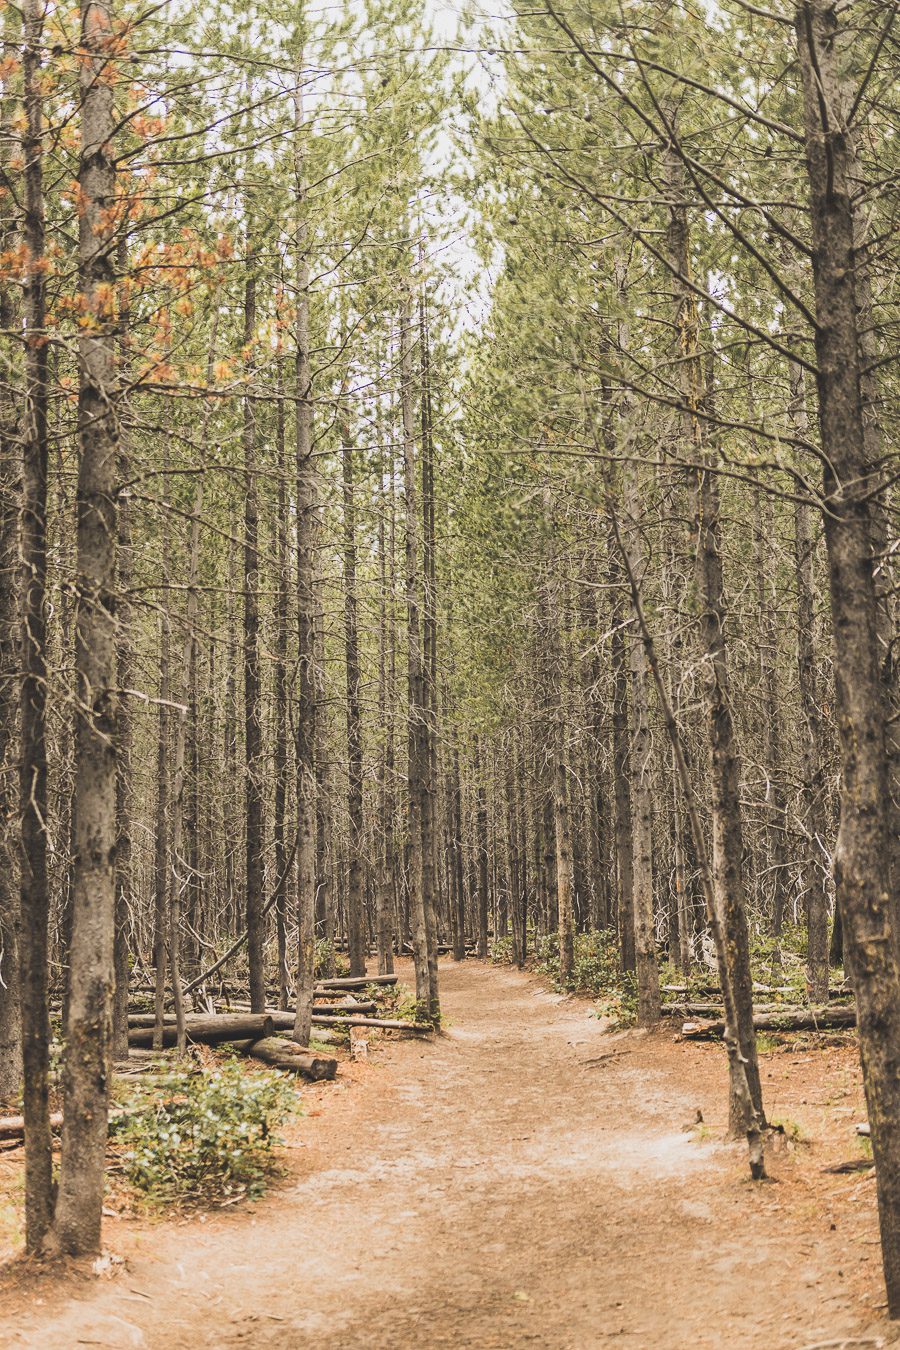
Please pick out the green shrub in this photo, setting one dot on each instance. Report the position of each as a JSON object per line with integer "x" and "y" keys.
{"x": 328, "y": 962}
{"x": 595, "y": 974}
{"x": 502, "y": 951}
{"x": 211, "y": 1137}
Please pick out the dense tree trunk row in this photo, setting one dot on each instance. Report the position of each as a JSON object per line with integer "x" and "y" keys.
{"x": 328, "y": 636}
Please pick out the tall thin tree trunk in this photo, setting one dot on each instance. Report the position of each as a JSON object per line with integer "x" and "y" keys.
{"x": 88, "y": 1031}
{"x": 383, "y": 879}
{"x": 621, "y": 766}
{"x": 161, "y": 840}
{"x": 356, "y": 932}
{"x": 557, "y": 664}
{"x": 724, "y": 787}
{"x": 715, "y": 913}
{"x": 812, "y": 880}
{"x": 457, "y": 863}
{"x": 10, "y": 643}
{"x": 724, "y": 766}
{"x": 775, "y": 816}
{"x": 282, "y": 693}
{"x": 427, "y": 1002}
{"x": 646, "y": 965}
{"x": 124, "y": 677}
{"x": 481, "y": 847}
{"x": 430, "y": 871}
{"x": 183, "y": 870}
{"x": 230, "y": 749}
{"x": 863, "y": 854}
{"x": 35, "y": 900}
{"x": 254, "y": 827}
{"x": 124, "y": 862}
{"x": 307, "y": 534}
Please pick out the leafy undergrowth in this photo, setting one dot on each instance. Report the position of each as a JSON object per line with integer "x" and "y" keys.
{"x": 778, "y": 965}
{"x": 207, "y": 1135}
{"x": 596, "y": 974}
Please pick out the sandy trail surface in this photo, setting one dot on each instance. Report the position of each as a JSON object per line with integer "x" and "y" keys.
{"x": 527, "y": 1179}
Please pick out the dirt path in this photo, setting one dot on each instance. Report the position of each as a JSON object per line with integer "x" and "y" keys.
{"x": 503, "y": 1187}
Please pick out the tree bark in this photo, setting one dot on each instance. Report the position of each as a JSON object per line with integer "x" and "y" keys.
{"x": 307, "y": 535}
{"x": 35, "y": 900}
{"x": 10, "y": 658}
{"x": 562, "y": 824}
{"x": 812, "y": 878}
{"x": 724, "y": 766}
{"x": 863, "y": 854}
{"x": 427, "y": 1001}
{"x": 646, "y": 965}
{"x": 254, "y": 828}
{"x": 481, "y": 848}
{"x": 88, "y": 1031}
{"x": 621, "y": 767}
{"x": 383, "y": 879}
{"x": 775, "y": 816}
{"x": 356, "y": 928}
{"x": 282, "y": 695}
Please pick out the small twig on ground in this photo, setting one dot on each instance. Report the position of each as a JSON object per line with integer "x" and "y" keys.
{"x": 601, "y": 1059}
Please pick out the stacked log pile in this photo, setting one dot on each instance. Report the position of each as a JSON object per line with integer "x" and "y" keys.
{"x": 336, "y": 1009}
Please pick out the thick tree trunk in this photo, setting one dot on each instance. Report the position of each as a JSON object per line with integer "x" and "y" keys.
{"x": 292, "y": 1058}
{"x": 88, "y": 1028}
{"x": 863, "y": 855}
{"x": 216, "y": 1029}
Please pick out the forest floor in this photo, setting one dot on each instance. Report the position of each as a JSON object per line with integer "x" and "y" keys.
{"x": 528, "y": 1179}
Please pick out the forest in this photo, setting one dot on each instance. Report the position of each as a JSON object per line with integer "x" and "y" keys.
{"x": 449, "y": 546}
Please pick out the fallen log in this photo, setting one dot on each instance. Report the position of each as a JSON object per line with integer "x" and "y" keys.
{"x": 281, "y": 1021}
{"x": 813, "y": 1019}
{"x": 335, "y": 1009}
{"x": 13, "y": 1127}
{"x": 385, "y": 1023}
{"x": 209, "y": 1030}
{"x": 284, "y": 1054}
{"x": 702, "y": 991}
{"x": 351, "y": 1006}
{"x": 691, "y": 1009}
{"x": 717, "y": 1011}
{"x": 355, "y": 981}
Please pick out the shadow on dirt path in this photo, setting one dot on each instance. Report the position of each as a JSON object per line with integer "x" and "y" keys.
{"x": 526, "y": 1180}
